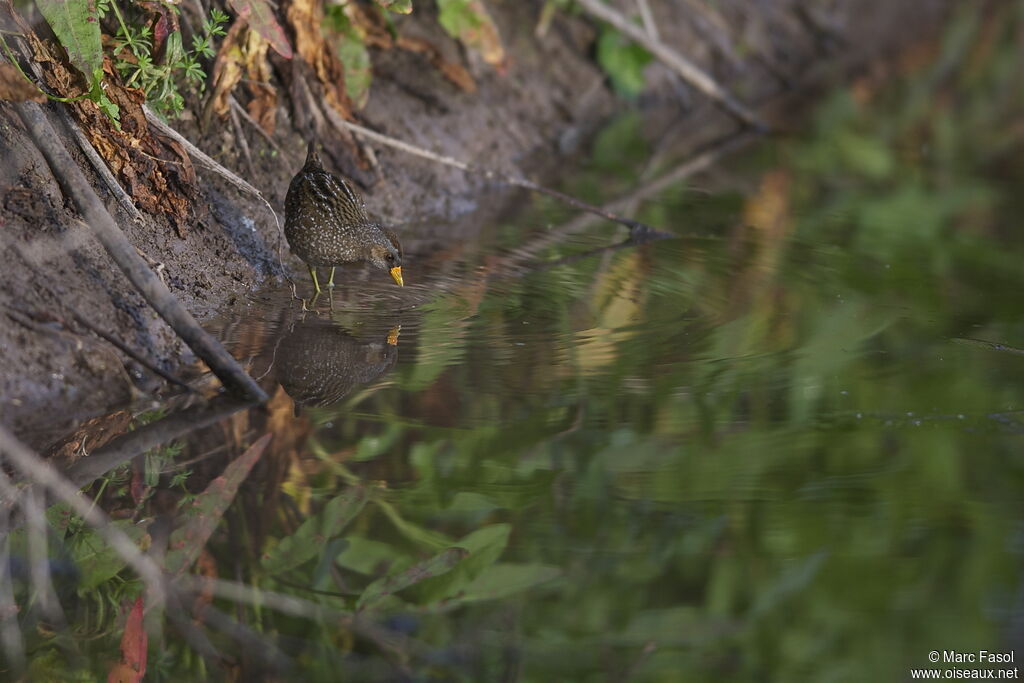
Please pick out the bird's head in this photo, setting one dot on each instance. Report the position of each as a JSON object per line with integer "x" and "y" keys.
{"x": 388, "y": 256}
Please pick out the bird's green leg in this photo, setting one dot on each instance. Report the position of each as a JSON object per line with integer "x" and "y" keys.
{"x": 316, "y": 293}
{"x": 316, "y": 283}
{"x": 330, "y": 283}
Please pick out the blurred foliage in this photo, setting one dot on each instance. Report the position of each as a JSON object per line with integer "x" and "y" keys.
{"x": 757, "y": 455}
{"x": 623, "y": 60}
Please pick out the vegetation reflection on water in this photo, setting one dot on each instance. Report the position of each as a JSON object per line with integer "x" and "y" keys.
{"x": 773, "y": 449}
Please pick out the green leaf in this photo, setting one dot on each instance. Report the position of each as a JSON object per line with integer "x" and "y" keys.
{"x": 399, "y": 6}
{"x": 95, "y": 558}
{"x": 205, "y": 511}
{"x": 59, "y": 516}
{"x": 104, "y": 103}
{"x": 78, "y": 29}
{"x": 260, "y": 16}
{"x": 469, "y": 22}
{"x": 310, "y": 539}
{"x": 504, "y": 579}
{"x": 415, "y": 533}
{"x": 623, "y": 61}
{"x": 439, "y": 564}
{"x": 484, "y": 547}
{"x": 366, "y": 556}
{"x": 349, "y": 43}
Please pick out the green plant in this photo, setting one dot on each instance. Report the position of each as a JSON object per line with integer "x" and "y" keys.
{"x": 133, "y": 52}
{"x": 76, "y": 27}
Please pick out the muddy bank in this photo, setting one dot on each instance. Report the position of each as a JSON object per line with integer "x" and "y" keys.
{"x": 541, "y": 111}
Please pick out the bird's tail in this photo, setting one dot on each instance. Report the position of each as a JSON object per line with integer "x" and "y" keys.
{"x": 312, "y": 157}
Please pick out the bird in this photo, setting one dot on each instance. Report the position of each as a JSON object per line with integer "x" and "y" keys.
{"x": 326, "y": 224}
{"x": 318, "y": 362}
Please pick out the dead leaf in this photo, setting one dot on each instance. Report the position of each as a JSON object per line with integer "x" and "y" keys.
{"x": 92, "y": 434}
{"x": 155, "y": 173}
{"x": 227, "y": 71}
{"x": 262, "y": 106}
{"x": 260, "y": 16}
{"x": 450, "y": 70}
{"x": 369, "y": 21}
{"x": 202, "y": 516}
{"x": 306, "y": 18}
{"x": 471, "y": 23}
{"x": 14, "y": 88}
{"x": 134, "y": 649}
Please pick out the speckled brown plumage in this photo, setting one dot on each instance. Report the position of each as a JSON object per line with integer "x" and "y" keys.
{"x": 326, "y": 223}
{"x": 318, "y": 363}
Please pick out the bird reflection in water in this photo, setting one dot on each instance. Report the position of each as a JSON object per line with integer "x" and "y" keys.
{"x": 319, "y": 363}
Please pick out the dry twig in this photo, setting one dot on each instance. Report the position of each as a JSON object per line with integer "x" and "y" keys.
{"x": 491, "y": 174}
{"x": 43, "y": 474}
{"x": 690, "y": 72}
{"x": 131, "y": 264}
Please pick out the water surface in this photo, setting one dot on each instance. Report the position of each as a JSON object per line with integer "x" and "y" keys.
{"x": 784, "y": 445}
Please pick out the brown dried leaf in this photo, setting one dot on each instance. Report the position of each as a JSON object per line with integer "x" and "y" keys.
{"x": 260, "y": 15}
{"x": 156, "y": 174}
{"x": 262, "y": 106}
{"x": 92, "y": 434}
{"x": 305, "y": 18}
{"x": 368, "y": 20}
{"x": 227, "y": 71}
{"x": 469, "y": 22}
{"x": 14, "y": 88}
{"x": 134, "y": 648}
{"x": 452, "y": 71}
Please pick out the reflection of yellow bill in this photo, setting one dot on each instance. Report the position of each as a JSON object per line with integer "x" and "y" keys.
{"x": 393, "y": 335}
{"x": 397, "y": 274}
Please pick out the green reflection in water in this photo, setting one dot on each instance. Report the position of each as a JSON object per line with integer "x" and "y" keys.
{"x": 758, "y": 457}
{"x": 761, "y": 451}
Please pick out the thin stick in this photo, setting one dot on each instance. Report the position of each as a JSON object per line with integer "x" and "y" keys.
{"x": 298, "y": 607}
{"x": 690, "y": 72}
{"x": 491, "y": 174}
{"x": 10, "y": 634}
{"x": 208, "y": 163}
{"x": 243, "y": 143}
{"x": 123, "y": 448}
{"x": 44, "y": 474}
{"x": 200, "y": 157}
{"x": 703, "y": 160}
{"x": 262, "y": 647}
{"x": 100, "y": 167}
{"x": 128, "y": 260}
{"x": 255, "y": 124}
{"x": 994, "y": 346}
{"x": 84, "y": 322}
{"x": 648, "y": 19}
{"x": 37, "y": 557}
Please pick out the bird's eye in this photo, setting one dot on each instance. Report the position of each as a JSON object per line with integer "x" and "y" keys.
{"x": 390, "y": 257}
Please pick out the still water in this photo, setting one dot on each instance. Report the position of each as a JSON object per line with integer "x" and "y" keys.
{"x": 783, "y": 446}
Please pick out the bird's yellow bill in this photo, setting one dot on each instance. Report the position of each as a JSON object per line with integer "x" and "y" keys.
{"x": 396, "y": 273}
{"x": 393, "y": 335}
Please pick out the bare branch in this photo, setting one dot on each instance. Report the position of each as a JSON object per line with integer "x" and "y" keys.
{"x": 43, "y": 474}
{"x": 255, "y": 124}
{"x": 131, "y": 264}
{"x": 690, "y": 72}
{"x": 486, "y": 173}
{"x": 10, "y": 633}
{"x": 197, "y": 154}
{"x": 84, "y": 322}
{"x": 210, "y": 164}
